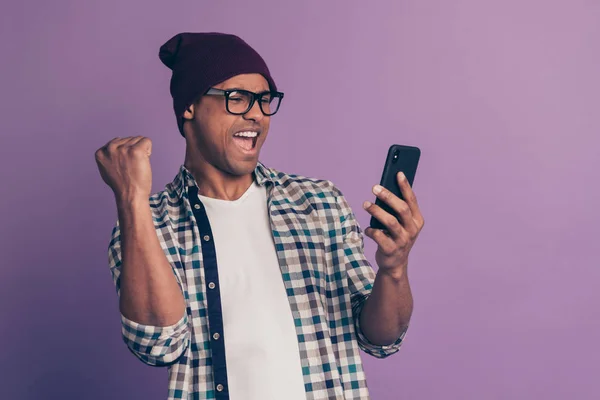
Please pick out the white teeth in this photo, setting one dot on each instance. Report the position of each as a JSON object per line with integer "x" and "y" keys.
{"x": 247, "y": 134}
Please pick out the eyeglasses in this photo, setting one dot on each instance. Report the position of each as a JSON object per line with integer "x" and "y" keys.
{"x": 239, "y": 101}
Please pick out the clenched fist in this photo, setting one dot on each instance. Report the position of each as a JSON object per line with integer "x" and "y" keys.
{"x": 124, "y": 165}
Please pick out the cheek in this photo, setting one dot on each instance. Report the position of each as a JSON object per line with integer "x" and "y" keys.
{"x": 214, "y": 127}
{"x": 266, "y": 127}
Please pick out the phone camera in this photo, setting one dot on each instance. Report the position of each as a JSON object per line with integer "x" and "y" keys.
{"x": 395, "y": 157}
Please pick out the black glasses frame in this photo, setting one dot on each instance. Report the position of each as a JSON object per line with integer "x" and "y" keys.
{"x": 253, "y": 98}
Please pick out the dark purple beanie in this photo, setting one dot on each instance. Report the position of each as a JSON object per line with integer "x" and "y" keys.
{"x": 202, "y": 60}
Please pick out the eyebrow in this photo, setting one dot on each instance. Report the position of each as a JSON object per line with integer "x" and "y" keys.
{"x": 236, "y": 88}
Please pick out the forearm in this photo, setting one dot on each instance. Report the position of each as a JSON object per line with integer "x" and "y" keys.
{"x": 387, "y": 311}
{"x": 149, "y": 292}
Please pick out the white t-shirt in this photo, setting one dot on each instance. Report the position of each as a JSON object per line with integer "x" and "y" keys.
{"x": 261, "y": 346}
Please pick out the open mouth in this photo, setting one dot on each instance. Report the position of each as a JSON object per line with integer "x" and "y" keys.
{"x": 246, "y": 140}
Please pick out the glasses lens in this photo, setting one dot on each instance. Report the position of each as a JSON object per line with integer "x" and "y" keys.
{"x": 238, "y": 102}
{"x": 270, "y": 103}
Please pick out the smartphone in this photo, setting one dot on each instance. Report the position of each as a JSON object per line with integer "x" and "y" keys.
{"x": 399, "y": 158}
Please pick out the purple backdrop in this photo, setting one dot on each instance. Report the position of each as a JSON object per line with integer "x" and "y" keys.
{"x": 502, "y": 98}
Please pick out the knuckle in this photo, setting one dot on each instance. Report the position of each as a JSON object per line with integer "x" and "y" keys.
{"x": 373, "y": 209}
{"x": 404, "y": 239}
{"x": 385, "y": 234}
{"x": 144, "y": 143}
{"x": 388, "y": 250}
{"x": 110, "y": 146}
{"x": 393, "y": 222}
{"x": 131, "y": 150}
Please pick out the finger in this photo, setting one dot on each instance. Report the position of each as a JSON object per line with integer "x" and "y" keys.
{"x": 135, "y": 140}
{"x": 399, "y": 207}
{"x": 138, "y": 143}
{"x": 114, "y": 144}
{"x": 393, "y": 226}
{"x": 397, "y": 204}
{"x": 129, "y": 141}
{"x": 146, "y": 144}
{"x": 410, "y": 198}
{"x": 386, "y": 243}
{"x": 119, "y": 140}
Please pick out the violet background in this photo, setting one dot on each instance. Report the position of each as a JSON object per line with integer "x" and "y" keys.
{"x": 502, "y": 97}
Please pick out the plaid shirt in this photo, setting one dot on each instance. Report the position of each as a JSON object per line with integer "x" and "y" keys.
{"x": 326, "y": 275}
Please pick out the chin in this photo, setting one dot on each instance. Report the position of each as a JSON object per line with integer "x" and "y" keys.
{"x": 241, "y": 168}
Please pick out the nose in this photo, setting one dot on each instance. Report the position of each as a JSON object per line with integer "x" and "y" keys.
{"x": 254, "y": 114}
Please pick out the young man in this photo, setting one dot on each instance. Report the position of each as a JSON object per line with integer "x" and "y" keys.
{"x": 246, "y": 282}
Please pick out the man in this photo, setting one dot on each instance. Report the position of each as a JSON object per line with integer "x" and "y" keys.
{"x": 246, "y": 282}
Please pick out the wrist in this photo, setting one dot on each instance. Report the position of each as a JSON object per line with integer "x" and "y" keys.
{"x": 130, "y": 201}
{"x": 397, "y": 274}
{"x": 130, "y": 196}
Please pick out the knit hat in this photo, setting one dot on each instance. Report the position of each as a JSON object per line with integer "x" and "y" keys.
{"x": 202, "y": 60}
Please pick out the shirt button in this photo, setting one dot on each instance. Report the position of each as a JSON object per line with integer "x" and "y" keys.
{"x": 211, "y": 285}
{"x": 216, "y": 336}
{"x": 206, "y": 238}
{"x": 220, "y": 388}
{"x": 197, "y": 206}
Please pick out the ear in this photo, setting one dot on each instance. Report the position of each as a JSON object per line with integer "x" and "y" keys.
{"x": 189, "y": 112}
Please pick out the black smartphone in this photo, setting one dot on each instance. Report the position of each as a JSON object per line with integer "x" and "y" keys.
{"x": 399, "y": 158}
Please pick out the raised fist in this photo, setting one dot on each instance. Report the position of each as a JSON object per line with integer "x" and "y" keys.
{"x": 124, "y": 164}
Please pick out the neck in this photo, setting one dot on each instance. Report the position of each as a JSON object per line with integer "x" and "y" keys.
{"x": 214, "y": 182}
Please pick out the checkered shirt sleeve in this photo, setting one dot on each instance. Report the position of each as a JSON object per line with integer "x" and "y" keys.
{"x": 360, "y": 278}
{"x": 154, "y": 345}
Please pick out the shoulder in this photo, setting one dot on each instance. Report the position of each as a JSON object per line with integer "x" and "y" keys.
{"x": 166, "y": 206}
{"x": 163, "y": 205}
{"x": 301, "y": 184}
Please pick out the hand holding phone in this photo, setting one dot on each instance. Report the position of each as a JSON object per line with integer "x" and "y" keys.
{"x": 399, "y": 158}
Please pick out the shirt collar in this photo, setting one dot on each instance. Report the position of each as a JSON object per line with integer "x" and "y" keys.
{"x": 184, "y": 178}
